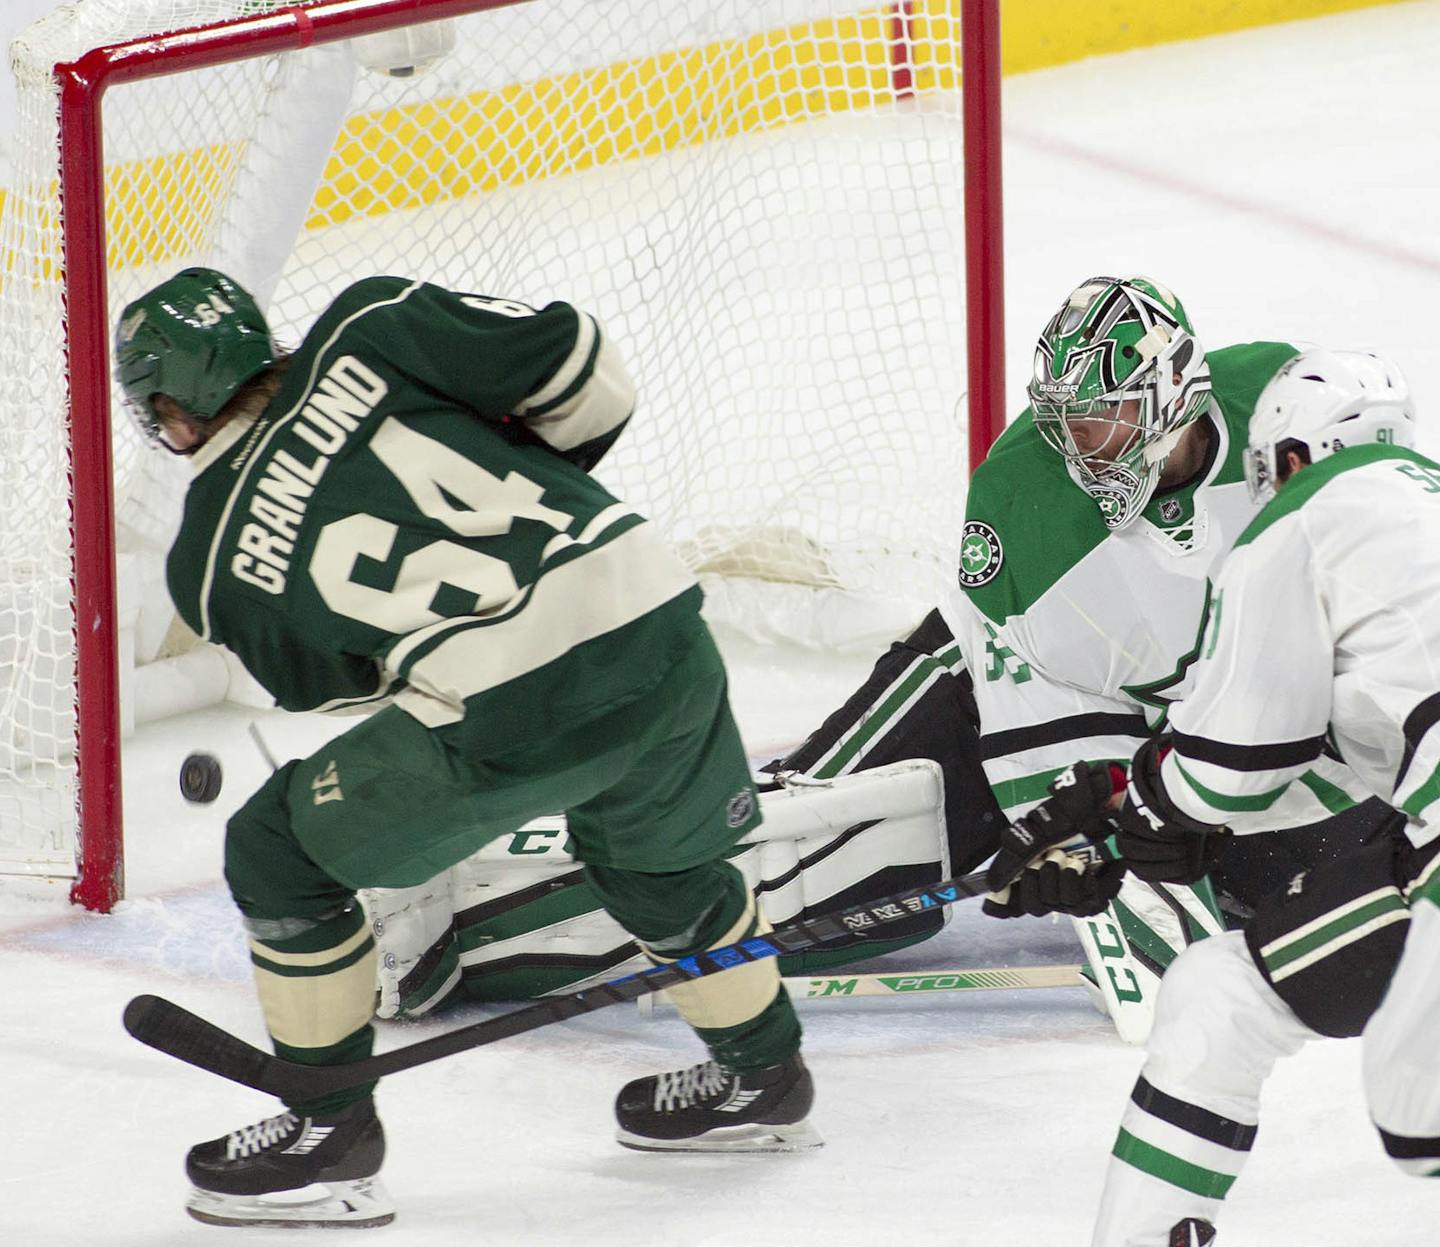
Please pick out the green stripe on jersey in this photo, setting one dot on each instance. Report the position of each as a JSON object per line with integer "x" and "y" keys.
{"x": 291, "y": 971}
{"x": 1027, "y": 788}
{"x": 1185, "y": 1174}
{"x": 1288, "y": 950}
{"x": 1334, "y": 799}
{"x": 1221, "y": 801}
{"x": 1415, "y": 804}
{"x": 1316, "y": 476}
{"x": 1428, "y": 887}
{"x": 882, "y": 717}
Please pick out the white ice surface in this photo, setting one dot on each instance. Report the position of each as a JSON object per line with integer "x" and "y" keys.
{"x": 1286, "y": 182}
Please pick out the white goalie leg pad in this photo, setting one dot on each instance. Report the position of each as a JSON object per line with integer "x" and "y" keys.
{"x": 1130, "y": 944}
{"x": 818, "y": 839}
{"x": 407, "y": 923}
{"x": 1402, "y": 1054}
{"x": 821, "y": 838}
{"x": 1187, "y": 1130}
{"x": 356, "y": 1204}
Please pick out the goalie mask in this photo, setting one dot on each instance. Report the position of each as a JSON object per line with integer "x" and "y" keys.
{"x": 1321, "y": 402}
{"x": 197, "y": 338}
{"x": 1120, "y": 356}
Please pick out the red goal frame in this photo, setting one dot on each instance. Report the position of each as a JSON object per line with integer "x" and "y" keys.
{"x": 100, "y": 862}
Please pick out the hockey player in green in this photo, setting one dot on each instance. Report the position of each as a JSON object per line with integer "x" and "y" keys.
{"x": 1322, "y": 636}
{"x": 400, "y": 512}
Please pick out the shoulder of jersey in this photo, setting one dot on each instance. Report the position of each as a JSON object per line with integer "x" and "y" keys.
{"x": 1026, "y": 524}
{"x": 1237, "y": 375}
{"x": 1343, "y": 468}
{"x": 359, "y": 295}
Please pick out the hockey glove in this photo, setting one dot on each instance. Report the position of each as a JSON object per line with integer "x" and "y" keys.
{"x": 1158, "y": 842}
{"x": 1059, "y": 883}
{"x": 1073, "y": 812}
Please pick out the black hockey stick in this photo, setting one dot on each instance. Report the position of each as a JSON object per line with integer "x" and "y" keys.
{"x": 167, "y": 1027}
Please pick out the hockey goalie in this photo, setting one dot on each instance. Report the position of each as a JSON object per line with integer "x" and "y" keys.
{"x": 518, "y": 919}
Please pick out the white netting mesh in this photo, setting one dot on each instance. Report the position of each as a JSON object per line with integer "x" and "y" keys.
{"x": 733, "y": 187}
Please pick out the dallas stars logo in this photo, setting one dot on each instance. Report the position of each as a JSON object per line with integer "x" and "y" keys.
{"x": 981, "y": 554}
{"x": 1111, "y": 504}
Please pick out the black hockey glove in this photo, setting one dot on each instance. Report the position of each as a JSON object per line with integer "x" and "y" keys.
{"x": 1158, "y": 842}
{"x": 1060, "y": 883}
{"x": 1031, "y": 875}
{"x": 1074, "y": 811}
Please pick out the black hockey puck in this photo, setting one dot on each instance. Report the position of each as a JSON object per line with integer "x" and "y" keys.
{"x": 200, "y": 778}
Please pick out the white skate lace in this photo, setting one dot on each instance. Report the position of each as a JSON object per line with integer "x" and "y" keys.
{"x": 683, "y": 1087}
{"x": 251, "y": 1139}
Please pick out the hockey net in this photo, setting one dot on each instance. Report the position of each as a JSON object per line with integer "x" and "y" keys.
{"x": 762, "y": 200}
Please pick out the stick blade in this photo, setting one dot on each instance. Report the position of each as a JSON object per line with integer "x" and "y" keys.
{"x": 165, "y": 1026}
{"x": 137, "y": 1015}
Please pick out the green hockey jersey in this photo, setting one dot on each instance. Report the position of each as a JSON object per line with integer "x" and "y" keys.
{"x": 412, "y": 516}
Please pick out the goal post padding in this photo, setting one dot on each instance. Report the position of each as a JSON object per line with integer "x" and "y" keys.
{"x": 764, "y": 201}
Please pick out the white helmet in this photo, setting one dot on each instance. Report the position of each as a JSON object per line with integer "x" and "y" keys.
{"x": 1321, "y": 402}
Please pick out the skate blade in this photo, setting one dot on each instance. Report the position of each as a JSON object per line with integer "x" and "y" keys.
{"x": 800, "y": 1136}
{"x": 360, "y": 1204}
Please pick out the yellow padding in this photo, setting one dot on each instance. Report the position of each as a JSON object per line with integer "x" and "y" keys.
{"x": 441, "y": 150}
{"x": 1036, "y": 34}
{"x": 732, "y": 996}
{"x": 317, "y": 1010}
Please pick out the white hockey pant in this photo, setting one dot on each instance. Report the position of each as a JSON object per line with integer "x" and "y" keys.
{"x": 1402, "y": 1051}
{"x": 1187, "y": 1131}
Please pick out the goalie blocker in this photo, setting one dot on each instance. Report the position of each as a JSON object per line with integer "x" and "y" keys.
{"x": 518, "y": 919}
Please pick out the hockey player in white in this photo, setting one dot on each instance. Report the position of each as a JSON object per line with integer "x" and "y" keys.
{"x": 1091, "y": 529}
{"x": 1323, "y": 634}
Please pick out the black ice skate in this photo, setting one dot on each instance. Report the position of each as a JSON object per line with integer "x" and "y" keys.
{"x": 293, "y": 1171}
{"x": 708, "y": 1108}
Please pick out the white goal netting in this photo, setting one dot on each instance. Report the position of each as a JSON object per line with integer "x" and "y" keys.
{"x": 760, "y": 199}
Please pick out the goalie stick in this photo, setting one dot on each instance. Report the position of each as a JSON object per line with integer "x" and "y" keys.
{"x": 167, "y": 1027}
{"x": 905, "y": 984}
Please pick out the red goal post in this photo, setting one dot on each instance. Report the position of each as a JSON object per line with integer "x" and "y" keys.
{"x": 836, "y": 93}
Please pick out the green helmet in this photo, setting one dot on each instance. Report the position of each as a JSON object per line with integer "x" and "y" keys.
{"x": 1115, "y": 340}
{"x": 197, "y": 337}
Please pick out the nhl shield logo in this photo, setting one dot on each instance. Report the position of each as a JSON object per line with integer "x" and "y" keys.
{"x": 981, "y": 555}
{"x": 739, "y": 808}
{"x": 1170, "y": 510}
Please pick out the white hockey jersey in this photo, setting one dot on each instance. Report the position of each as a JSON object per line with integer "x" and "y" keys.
{"x": 1078, "y": 638}
{"x": 1325, "y": 625}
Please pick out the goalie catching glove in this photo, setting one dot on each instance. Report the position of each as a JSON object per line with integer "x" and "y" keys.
{"x": 1158, "y": 842}
{"x": 1045, "y": 864}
